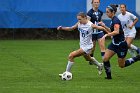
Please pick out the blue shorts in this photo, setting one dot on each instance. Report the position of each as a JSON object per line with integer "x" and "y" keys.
{"x": 120, "y": 49}
{"x": 97, "y": 36}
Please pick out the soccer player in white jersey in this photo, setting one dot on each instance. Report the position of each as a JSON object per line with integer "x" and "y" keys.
{"x": 85, "y": 28}
{"x": 128, "y": 21}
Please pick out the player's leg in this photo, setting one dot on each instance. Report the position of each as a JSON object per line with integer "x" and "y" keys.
{"x": 124, "y": 63}
{"x": 101, "y": 44}
{"x": 71, "y": 57}
{"x": 107, "y": 67}
{"x": 95, "y": 62}
{"x": 92, "y": 51}
{"x": 132, "y": 60}
{"x": 89, "y": 58}
{"x": 129, "y": 41}
{"x": 108, "y": 54}
{"x": 87, "y": 50}
{"x": 94, "y": 39}
{"x": 132, "y": 47}
{"x": 122, "y": 51}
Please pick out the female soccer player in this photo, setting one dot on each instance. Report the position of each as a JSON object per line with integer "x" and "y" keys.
{"x": 118, "y": 44}
{"x": 85, "y": 28}
{"x": 95, "y": 16}
{"x": 128, "y": 21}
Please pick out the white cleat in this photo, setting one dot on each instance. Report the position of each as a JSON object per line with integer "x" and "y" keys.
{"x": 100, "y": 68}
{"x": 60, "y": 75}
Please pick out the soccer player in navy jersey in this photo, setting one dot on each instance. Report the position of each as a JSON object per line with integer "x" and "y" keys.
{"x": 95, "y": 16}
{"x": 118, "y": 45}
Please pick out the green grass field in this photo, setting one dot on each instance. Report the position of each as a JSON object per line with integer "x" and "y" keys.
{"x": 32, "y": 66}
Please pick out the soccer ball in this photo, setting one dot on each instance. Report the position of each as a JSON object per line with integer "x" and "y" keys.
{"x": 66, "y": 76}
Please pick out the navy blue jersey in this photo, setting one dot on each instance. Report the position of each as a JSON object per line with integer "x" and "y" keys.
{"x": 117, "y": 39}
{"x": 96, "y": 16}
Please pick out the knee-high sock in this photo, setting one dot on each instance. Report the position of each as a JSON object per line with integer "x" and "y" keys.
{"x": 69, "y": 65}
{"x": 107, "y": 69}
{"x": 95, "y": 62}
{"x": 130, "y": 61}
{"x": 133, "y": 47}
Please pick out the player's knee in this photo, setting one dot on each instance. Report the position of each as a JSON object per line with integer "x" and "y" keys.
{"x": 70, "y": 57}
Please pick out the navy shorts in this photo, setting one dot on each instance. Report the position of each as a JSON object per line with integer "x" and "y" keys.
{"x": 97, "y": 36}
{"x": 120, "y": 49}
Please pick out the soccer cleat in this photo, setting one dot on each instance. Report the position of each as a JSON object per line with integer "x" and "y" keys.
{"x": 138, "y": 51}
{"x": 60, "y": 75}
{"x": 100, "y": 68}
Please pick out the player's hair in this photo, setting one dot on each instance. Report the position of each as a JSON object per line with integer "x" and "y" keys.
{"x": 92, "y": 1}
{"x": 82, "y": 14}
{"x": 113, "y": 8}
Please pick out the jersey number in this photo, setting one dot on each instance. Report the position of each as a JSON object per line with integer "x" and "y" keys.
{"x": 84, "y": 34}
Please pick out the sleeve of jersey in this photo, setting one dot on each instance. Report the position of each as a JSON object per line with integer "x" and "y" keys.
{"x": 132, "y": 16}
{"x": 116, "y": 21}
{"x": 89, "y": 13}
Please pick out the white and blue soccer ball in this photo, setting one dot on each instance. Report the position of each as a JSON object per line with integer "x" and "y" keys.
{"x": 66, "y": 76}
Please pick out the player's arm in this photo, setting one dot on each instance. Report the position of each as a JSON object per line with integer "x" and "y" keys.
{"x": 99, "y": 28}
{"x": 115, "y": 32}
{"x": 134, "y": 22}
{"x": 68, "y": 28}
{"x": 103, "y": 25}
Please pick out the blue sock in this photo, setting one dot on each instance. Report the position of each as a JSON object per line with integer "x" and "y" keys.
{"x": 130, "y": 61}
{"x": 107, "y": 69}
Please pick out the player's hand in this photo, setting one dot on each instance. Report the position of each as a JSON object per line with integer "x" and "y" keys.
{"x": 59, "y": 28}
{"x": 103, "y": 38}
{"x": 101, "y": 23}
{"x": 130, "y": 27}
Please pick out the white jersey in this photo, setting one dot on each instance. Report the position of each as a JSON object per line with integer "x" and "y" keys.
{"x": 86, "y": 31}
{"x": 126, "y": 21}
